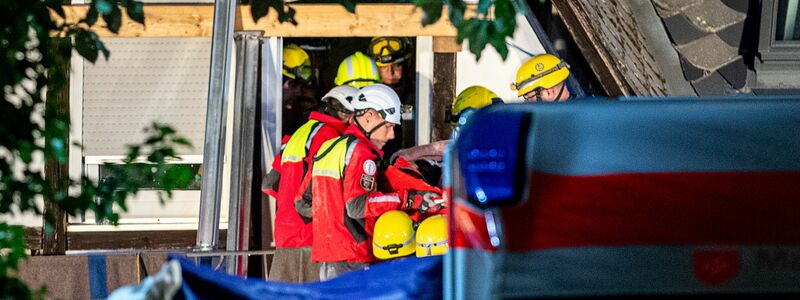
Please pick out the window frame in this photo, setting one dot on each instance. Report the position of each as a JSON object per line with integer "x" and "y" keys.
{"x": 769, "y": 48}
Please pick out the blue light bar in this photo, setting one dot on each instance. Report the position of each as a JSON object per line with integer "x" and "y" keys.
{"x": 491, "y": 153}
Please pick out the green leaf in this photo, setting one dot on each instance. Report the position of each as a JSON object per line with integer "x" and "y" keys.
{"x": 135, "y": 11}
{"x": 91, "y": 16}
{"x": 505, "y": 17}
{"x": 499, "y": 44}
{"x": 432, "y": 10}
{"x": 483, "y": 6}
{"x": 103, "y": 6}
{"x": 113, "y": 19}
{"x": 466, "y": 30}
{"x": 56, "y": 6}
{"x": 479, "y": 38}
{"x": 289, "y": 16}
{"x": 102, "y": 47}
{"x": 86, "y": 44}
{"x": 349, "y": 5}
{"x": 259, "y": 9}
{"x": 456, "y": 10}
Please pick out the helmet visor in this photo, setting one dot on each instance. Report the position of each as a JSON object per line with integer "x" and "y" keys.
{"x": 386, "y": 49}
{"x": 300, "y": 72}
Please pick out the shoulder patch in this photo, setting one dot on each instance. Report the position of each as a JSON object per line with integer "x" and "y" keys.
{"x": 370, "y": 167}
{"x": 367, "y": 182}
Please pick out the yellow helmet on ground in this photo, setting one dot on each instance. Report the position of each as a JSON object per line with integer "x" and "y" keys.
{"x": 432, "y": 236}
{"x": 388, "y": 50}
{"x": 296, "y": 63}
{"x": 473, "y": 97}
{"x": 541, "y": 71}
{"x": 357, "y": 70}
{"x": 393, "y": 236}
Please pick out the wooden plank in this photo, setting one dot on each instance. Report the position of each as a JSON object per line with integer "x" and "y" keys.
{"x": 598, "y": 59}
{"x": 444, "y": 90}
{"x": 139, "y": 240}
{"x": 314, "y": 20}
{"x": 54, "y": 242}
{"x": 446, "y": 44}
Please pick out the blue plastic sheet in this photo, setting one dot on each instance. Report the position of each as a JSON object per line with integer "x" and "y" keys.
{"x": 406, "y": 278}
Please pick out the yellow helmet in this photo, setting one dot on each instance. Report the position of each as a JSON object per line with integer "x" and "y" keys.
{"x": 541, "y": 71}
{"x": 388, "y": 50}
{"x": 357, "y": 70}
{"x": 296, "y": 63}
{"x": 432, "y": 236}
{"x": 473, "y": 97}
{"x": 393, "y": 236}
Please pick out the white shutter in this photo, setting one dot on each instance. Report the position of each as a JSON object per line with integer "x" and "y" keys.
{"x": 145, "y": 80}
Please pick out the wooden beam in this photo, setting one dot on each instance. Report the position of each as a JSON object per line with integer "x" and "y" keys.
{"x": 314, "y": 20}
{"x": 444, "y": 90}
{"x": 140, "y": 240}
{"x": 597, "y": 57}
{"x": 54, "y": 242}
{"x": 446, "y": 44}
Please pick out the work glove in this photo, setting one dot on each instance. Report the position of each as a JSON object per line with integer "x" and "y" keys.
{"x": 424, "y": 201}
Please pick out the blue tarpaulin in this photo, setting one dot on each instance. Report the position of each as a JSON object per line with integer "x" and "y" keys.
{"x": 406, "y": 278}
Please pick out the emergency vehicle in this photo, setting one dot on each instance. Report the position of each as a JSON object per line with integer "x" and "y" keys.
{"x": 646, "y": 197}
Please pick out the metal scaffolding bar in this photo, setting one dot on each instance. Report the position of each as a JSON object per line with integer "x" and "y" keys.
{"x": 248, "y": 50}
{"x": 213, "y": 156}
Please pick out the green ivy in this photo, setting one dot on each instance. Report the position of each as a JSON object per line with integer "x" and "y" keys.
{"x": 36, "y": 52}
{"x": 495, "y": 20}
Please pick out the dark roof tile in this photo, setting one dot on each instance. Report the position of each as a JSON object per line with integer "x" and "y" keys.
{"x": 712, "y": 16}
{"x": 681, "y": 30}
{"x": 735, "y": 73}
{"x": 738, "y": 5}
{"x": 711, "y": 85}
{"x": 709, "y": 53}
{"x": 732, "y": 35}
{"x": 668, "y": 8}
{"x": 690, "y": 71}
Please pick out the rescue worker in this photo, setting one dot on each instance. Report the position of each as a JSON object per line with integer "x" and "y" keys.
{"x": 342, "y": 186}
{"x": 298, "y": 97}
{"x": 471, "y": 98}
{"x": 543, "y": 78}
{"x": 391, "y": 54}
{"x": 293, "y": 235}
{"x": 357, "y": 70}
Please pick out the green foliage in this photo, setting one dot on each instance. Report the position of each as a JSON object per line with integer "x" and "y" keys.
{"x": 36, "y": 51}
{"x": 494, "y": 22}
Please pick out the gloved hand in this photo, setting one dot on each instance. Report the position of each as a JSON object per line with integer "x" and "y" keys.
{"x": 424, "y": 201}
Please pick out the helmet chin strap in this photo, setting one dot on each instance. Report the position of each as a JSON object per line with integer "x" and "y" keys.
{"x": 368, "y": 134}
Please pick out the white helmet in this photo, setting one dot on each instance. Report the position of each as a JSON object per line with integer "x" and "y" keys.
{"x": 381, "y": 98}
{"x": 345, "y": 94}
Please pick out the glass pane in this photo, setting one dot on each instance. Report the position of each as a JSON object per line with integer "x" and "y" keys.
{"x": 788, "y": 23}
{"x": 137, "y": 170}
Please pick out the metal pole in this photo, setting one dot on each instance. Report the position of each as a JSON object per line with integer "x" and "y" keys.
{"x": 214, "y": 145}
{"x": 244, "y": 123}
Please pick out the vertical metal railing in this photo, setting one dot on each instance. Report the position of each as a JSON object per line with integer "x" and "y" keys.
{"x": 248, "y": 50}
{"x": 214, "y": 150}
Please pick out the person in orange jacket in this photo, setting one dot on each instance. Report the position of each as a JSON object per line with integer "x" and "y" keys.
{"x": 340, "y": 193}
{"x": 293, "y": 237}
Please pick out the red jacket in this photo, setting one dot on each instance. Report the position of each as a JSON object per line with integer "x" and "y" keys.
{"x": 291, "y": 230}
{"x": 345, "y": 201}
